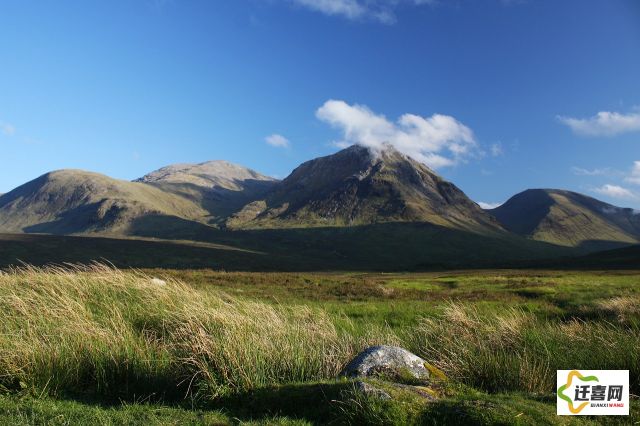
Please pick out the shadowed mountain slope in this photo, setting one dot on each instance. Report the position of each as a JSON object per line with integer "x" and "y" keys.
{"x": 357, "y": 187}
{"x": 378, "y": 247}
{"x": 569, "y": 219}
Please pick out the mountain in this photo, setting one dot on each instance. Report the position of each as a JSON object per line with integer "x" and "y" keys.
{"x": 569, "y": 219}
{"x": 219, "y": 187}
{"x": 358, "y": 187}
{"x": 380, "y": 198}
{"x": 75, "y": 201}
{"x": 213, "y": 175}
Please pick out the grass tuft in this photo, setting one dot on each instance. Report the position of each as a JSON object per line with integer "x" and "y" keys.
{"x": 100, "y": 331}
{"x": 516, "y": 351}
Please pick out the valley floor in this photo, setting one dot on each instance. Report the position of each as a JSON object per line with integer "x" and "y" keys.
{"x": 158, "y": 346}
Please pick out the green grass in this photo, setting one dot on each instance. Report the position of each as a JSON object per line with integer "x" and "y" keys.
{"x": 401, "y": 299}
{"x": 211, "y": 347}
{"x": 44, "y": 411}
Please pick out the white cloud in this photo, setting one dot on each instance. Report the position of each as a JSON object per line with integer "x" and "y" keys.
{"x": 351, "y": 9}
{"x": 488, "y": 206}
{"x": 615, "y": 191}
{"x": 277, "y": 140}
{"x": 579, "y": 171}
{"x": 378, "y": 10}
{"x": 7, "y": 129}
{"x": 437, "y": 141}
{"x": 496, "y": 150}
{"x": 634, "y": 177}
{"x": 604, "y": 123}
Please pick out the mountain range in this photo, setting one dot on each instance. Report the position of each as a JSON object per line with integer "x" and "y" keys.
{"x": 353, "y": 188}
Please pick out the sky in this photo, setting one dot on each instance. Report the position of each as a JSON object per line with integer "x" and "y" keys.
{"x": 495, "y": 95}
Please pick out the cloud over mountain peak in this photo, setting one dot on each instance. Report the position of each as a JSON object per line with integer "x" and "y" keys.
{"x": 437, "y": 141}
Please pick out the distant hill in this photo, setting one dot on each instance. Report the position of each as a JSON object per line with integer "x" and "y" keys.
{"x": 358, "y": 187}
{"x": 75, "y": 201}
{"x": 569, "y": 219}
{"x": 219, "y": 187}
{"x": 80, "y": 202}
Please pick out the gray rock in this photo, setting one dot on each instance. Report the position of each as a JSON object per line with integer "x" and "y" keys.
{"x": 371, "y": 390}
{"x": 386, "y": 361}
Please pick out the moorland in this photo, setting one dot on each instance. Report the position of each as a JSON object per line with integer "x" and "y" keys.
{"x": 159, "y": 346}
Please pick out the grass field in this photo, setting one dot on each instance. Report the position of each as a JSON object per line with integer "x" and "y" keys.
{"x": 100, "y": 345}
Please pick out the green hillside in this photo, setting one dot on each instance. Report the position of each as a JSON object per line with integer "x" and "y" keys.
{"x": 568, "y": 219}
{"x": 75, "y": 201}
{"x": 381, "y": 247}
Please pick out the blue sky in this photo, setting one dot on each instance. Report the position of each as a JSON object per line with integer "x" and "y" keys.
{"x": 497, "y": 95}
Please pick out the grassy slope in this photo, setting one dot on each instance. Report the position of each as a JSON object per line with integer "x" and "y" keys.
{"x": 569, "y": 219}
{"x": 219, "y": 187}
{"x": 120, "y": 336}
{"x": 44, "y": 249}
{"x": 626, "y": 257}
{"x": 385, "y": 247}
{"x": 75, "y": 201}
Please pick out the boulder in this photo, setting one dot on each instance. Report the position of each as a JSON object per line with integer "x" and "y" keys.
{"x": 387, "y": 362}
{"x": 371, "y": 390}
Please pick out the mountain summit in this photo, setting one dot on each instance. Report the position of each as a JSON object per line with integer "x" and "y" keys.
{"x": 217, "y": 174}
{"x": 358, "y": 186}
{"x": 219, "y": 187}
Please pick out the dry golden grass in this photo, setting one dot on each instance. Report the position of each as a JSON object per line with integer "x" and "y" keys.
{"x": 624, "y": 308}
{"x": 99, "y": 330}
{"x": 515, "y": 351}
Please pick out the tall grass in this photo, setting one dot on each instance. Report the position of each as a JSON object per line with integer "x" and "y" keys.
{"x": 100, "y": 331}
{"x": 515, "y": 351}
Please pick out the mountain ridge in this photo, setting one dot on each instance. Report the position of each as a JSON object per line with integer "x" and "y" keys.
{"x": 352, "y": 187}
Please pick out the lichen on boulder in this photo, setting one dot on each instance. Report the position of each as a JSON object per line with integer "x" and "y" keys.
{"x": 389, "y": 362}
{"x": 384, "y": 371}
